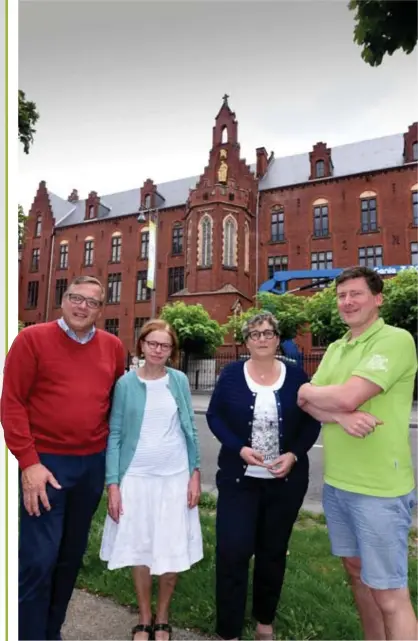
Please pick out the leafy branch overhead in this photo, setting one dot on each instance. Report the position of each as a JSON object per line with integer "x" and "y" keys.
{"x": 198, "y": 333}
{"x": 28, "y": 117}
{"x": 383, "y": 27}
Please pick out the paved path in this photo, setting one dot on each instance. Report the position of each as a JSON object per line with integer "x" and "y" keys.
{"x": 92, "y": 617}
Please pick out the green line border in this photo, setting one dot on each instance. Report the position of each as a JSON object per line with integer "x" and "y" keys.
{"x": 6, "y": 293}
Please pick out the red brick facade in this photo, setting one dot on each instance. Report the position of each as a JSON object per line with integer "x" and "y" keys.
{"x": 229, "y": 199}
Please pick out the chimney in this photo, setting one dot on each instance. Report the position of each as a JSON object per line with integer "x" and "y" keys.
{"x": 262, "y": 162}
{"x": 73, "y": 197}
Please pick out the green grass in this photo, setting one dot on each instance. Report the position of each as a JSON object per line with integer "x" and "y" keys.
{"x": 316, "y": 601}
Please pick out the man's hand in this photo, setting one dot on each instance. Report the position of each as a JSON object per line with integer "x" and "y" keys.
{"x": 34, "y": 480}
{"x": 194, "y": 489}
{"x": 114, "y": 502}
{"x": 252, "y": 457}
{"x": 282, "y": 465}
{"x": 303, "y": 394}
{"x": 358, "y": 424}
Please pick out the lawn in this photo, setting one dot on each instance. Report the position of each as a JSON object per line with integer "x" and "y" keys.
{"x": 316, "y": 601}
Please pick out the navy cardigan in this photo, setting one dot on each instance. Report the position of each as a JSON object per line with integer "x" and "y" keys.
{"x": 230, "y": 416}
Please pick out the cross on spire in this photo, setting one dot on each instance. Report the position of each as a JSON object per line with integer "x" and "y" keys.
{"x": 225, "y": 99}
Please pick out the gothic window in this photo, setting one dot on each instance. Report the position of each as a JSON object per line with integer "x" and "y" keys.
{"x": 38, "y": 226}
{"x": 246, "y": 247}
{"x": 230, "y": 242}
{"x": 205, "y": 241}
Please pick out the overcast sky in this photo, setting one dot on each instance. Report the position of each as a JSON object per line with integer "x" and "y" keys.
{"x": 130, "y": 90}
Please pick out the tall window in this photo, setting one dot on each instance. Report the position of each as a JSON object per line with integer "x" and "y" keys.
{"x": 321, "y": 260}
{"x": 144, "y": 244}
{"x": 38, "y": 226}
{"x": 230, "y": 242}
{"x": 60, "y": 288}
{"x": 415, "y": 151}
{"x": 276, "y": 264}
{"x": 320, "y": 221}
{"x": 88, "y": 252}
{"x": 34, "y": 267}
{"x": 177, "y": 239}
{"x": 147, "y": 201}
{"x": 33, "y": 291}
{"x": 175, "y": 280}
{"x": 370, "y": 256}
{"x": 139, "y": 323}
{"x": 116, "y": 251}
{"x": 63, "y": 256}
{"x": 112, "y": 326}
{"x": 277, "y": 225}
{"x": 414, "y": 253}
{"x": 368, "y": 215}
{"x": 114, "y": 286}
{"x": 91, "y": 211}
{"x": 415, "y": 208}
{"x": 142, "y": 291}
{"x": 319, "y": 169}
{"x": 246, "y": 247}
{"x": 205, "y": 242}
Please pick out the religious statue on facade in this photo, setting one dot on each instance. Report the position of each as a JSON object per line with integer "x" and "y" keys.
{"x": 223, "y": 167}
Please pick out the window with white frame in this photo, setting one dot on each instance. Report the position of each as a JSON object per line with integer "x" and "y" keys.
{"x": 205, "y": 241}
{"x": 230, "y": 242}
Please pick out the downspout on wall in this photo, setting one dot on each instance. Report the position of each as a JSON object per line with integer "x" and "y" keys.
{"x": 48, "y": 291}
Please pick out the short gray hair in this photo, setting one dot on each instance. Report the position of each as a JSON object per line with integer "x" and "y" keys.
{"x": 258, "y": 319}
{"x": 87, "y": 280}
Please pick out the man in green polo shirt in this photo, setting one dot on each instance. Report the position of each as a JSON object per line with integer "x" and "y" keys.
{"x": 362, "y": 392}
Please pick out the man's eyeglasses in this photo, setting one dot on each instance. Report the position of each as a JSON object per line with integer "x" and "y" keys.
{"x": 165, "y": 347}
{"x": 255, "y": 335}
{"x": 78, "y": 299}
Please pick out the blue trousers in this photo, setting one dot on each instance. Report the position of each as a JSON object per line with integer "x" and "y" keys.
{"x": 51, "y": 546}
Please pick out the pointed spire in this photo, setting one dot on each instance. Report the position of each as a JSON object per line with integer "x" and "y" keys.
{"x": 225, "y": 99}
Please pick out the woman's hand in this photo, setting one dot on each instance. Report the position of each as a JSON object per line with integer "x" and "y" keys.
{"x": 194, "y": 489}
{"x": 114, "y": 502}
{"x": 252, "y": 457}
{"x": 282, "y": 465}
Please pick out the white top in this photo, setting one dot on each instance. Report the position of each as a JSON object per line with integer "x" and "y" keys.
{"x": 161, "y": 448}
{"x": 265, "y": 430}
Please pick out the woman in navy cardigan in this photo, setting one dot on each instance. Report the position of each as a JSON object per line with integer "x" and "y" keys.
{"x": 263, "y": 475}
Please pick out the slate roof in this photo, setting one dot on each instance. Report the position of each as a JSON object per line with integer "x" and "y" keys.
{"x": 353, "y": 158}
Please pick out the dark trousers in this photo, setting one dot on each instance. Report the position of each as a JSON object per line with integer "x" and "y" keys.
{"x": 51, "y": 546}
{"x": 254, "y": 517}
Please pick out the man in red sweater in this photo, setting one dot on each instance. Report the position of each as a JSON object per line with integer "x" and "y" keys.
{"x": 58, "y": 380}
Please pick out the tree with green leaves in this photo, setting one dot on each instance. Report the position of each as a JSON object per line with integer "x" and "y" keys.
{"x": 22, "y": 219}
{"x": 198, "y": 333}
{"x": 400, "y": 307}
{"x": 384, "y": 26}
{"x": 28, "y": 117}
{"x": 289, "y": 310}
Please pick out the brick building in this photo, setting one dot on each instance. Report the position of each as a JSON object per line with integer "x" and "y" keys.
{"x": 223, "y": 233}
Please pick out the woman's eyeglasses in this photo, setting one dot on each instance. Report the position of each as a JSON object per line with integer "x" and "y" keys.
{"x": 255, "y": 335}
{"x": 165, "y": 347}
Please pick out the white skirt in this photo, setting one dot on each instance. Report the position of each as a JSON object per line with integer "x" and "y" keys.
{"x": 157, "y": 528}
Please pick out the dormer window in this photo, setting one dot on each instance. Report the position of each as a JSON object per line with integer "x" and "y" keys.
{"x": 319, "y": 169}
{"x": 147, "y": 201}
{"x": 91, "y": 211}
{"x": 38, "y": 226}
{"x": 415, "y": 151}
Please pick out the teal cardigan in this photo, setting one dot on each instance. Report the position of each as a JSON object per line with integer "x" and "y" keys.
{"x": 126, "y": 419}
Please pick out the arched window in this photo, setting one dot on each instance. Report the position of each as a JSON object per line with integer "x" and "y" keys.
{"x": 63, "y": 259}
{"x": 205, "y": 241}
{"x": 147, "y": 201}
{"x": 116, "y": 247}
{"x": 414, "y": 191}
{"x": 246, "y": 247}
{"x": 320, "y": 218}
{"x": 224, "y": 135}
{"x": 368, "y": 213}
{"x": 88, "y": 251}
{"x": 230, "y": 242}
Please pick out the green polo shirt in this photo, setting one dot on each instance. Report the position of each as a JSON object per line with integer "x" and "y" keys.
{"x": 381, "y": 463}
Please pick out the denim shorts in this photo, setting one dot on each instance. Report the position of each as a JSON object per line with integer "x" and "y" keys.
{"x": 373, "y": 528}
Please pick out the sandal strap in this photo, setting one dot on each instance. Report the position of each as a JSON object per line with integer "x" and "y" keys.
{"x": 162, "y": 627}
{"x": 142, "y": 627}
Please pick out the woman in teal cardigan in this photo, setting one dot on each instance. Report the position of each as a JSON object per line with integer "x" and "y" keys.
{"x": 153, "y": 478}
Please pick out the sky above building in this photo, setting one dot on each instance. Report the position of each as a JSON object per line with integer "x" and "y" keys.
{"x": 129, "y": 90}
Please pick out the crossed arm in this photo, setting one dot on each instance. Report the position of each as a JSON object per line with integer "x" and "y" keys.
{"x": 337, "y": 398}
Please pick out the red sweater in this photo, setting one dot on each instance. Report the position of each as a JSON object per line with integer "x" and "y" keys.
{"x": 56, "y": 392}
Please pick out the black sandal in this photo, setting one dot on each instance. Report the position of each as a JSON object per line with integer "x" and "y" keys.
{"x": 163, "y": 627}
{"x": 142, "y": 627}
